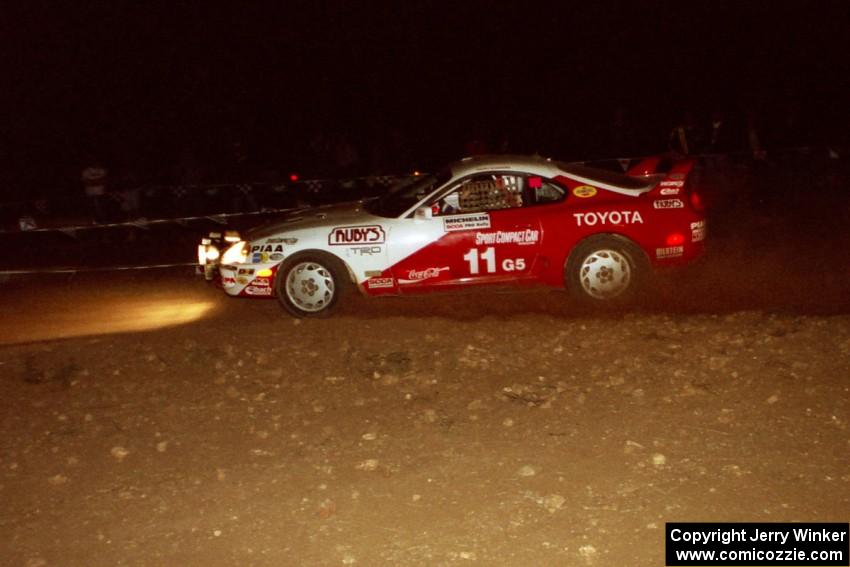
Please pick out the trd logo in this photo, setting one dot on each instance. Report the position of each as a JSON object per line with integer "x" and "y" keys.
{"x": 365, "y": 250}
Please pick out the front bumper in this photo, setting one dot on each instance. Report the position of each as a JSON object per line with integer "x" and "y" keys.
{"x": 245, "y": 280}
{"x": 240, "y": 278}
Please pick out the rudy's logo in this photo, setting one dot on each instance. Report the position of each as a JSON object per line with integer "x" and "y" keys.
{"x": 356, "y": 235}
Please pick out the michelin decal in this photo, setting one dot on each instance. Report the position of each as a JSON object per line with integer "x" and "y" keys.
{"x": 466, "y": 222}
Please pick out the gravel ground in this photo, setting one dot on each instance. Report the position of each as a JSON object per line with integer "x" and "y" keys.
{"x": 489, "y": 429}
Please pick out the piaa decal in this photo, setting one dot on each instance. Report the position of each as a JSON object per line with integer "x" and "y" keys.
{"x": 266, "y": 248}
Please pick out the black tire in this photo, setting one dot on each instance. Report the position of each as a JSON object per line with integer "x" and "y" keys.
{"x": 606, "y": 270}
{"x": 311, "y": 284}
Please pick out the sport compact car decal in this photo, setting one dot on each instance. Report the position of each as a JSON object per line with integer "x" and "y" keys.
{"x": 527, "y": 236}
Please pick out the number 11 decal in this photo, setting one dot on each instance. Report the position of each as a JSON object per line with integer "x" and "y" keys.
{"x": 489, "y": 256}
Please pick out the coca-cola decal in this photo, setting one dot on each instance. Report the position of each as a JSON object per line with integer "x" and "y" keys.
{"x": 414, "y": 276}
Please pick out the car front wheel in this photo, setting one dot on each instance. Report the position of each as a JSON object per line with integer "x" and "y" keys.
{"x": 310, "y": 285}
{"x": 605, "y": 270}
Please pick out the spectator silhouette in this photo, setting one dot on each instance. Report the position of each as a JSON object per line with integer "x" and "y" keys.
{"x": 685, "y": 138}
{"x": 754, "y": 141}
{"x": 94, "y": 179}
{"x": 719, "y": 136}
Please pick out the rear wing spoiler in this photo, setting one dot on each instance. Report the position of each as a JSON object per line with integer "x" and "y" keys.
{"x": 673, "y": 177}
{"x": 654, "y": 165}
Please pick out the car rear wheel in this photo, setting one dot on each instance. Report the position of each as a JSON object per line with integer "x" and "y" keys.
{"x": 605, "y": 270}
{"x": 310, "y": 285}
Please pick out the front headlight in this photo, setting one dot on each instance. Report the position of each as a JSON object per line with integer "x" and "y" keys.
{"x": 207, "y": 252}
{"x": 236, "y": 254}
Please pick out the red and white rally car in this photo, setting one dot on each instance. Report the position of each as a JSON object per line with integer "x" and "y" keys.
{"x": 491, "y": 220}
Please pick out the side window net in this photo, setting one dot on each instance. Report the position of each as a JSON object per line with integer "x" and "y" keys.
{"x": 547, "y": 192}
{"x": 492, "y": 193}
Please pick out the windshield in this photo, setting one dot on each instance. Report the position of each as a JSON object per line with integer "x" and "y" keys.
{"x": 406, "y": 193}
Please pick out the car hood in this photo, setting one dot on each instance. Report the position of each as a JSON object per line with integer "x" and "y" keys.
{"x": 312, "y": 217}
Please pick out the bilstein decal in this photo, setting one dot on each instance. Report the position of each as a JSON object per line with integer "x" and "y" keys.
{"x": 669, "y": 252}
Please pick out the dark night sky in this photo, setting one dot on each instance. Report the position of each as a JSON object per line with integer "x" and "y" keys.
{"x": 143, "y": 85}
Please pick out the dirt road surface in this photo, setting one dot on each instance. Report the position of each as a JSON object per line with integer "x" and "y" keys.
{"x": 149, "y": 420}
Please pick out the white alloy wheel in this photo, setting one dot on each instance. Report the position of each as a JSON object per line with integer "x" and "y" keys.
{"x": 606, "y": 270}
{"x": 605, "y": 274}
{"x": 310, "y": 287}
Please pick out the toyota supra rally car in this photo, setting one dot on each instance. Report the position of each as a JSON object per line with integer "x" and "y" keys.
{"x": 489, "y": 220}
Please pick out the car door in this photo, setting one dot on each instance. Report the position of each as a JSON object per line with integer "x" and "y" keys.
{"x": 479, "y": 232}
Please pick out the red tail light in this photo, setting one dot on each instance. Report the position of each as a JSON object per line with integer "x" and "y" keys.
{"x": 696, "y": 202}
{"x": 675, "y": 239}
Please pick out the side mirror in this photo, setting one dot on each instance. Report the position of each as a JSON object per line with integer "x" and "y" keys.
{"x": 423, "y": 213}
